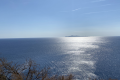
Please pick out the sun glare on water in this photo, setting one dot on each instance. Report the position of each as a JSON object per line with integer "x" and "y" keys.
{"x": 78, "y": 61}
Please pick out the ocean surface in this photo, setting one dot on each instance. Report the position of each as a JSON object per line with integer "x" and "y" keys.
{"x": 85, "y": 57}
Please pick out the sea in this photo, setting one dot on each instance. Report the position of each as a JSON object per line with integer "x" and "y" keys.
{"x": 84, "y": 57}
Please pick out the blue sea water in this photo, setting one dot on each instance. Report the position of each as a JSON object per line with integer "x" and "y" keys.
{"x": 85, "y": 57}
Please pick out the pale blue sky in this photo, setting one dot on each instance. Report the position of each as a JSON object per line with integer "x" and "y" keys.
{"x": 59, "y": 18}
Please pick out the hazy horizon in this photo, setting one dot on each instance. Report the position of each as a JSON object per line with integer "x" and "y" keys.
{"x": 59, "y": 18}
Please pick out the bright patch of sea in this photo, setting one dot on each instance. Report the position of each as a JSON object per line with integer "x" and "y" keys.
{"x": 85, "y": 57}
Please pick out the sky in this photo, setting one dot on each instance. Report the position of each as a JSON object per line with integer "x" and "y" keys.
{"x": 59, "y": 18}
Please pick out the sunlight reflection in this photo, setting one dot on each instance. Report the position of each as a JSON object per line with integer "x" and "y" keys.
{"x": 78, "y": 61}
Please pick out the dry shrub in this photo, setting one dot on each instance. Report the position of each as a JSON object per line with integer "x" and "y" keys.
{"x": 29, "y": 71}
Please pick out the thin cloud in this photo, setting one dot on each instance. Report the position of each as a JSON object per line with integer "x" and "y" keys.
{"x": 72, "y": 10}
{"x": 100, "y": 12}
{"x": 97, "y": 6}
{"x": 76, "y": 9}
{"x": 90, "y": 7}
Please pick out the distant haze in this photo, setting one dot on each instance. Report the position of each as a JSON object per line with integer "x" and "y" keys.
{"x": 59, "y": 18}
{"x": 73, "y": 36}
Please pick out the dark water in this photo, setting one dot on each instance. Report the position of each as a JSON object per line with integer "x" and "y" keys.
{"x": 85, "y": 57}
